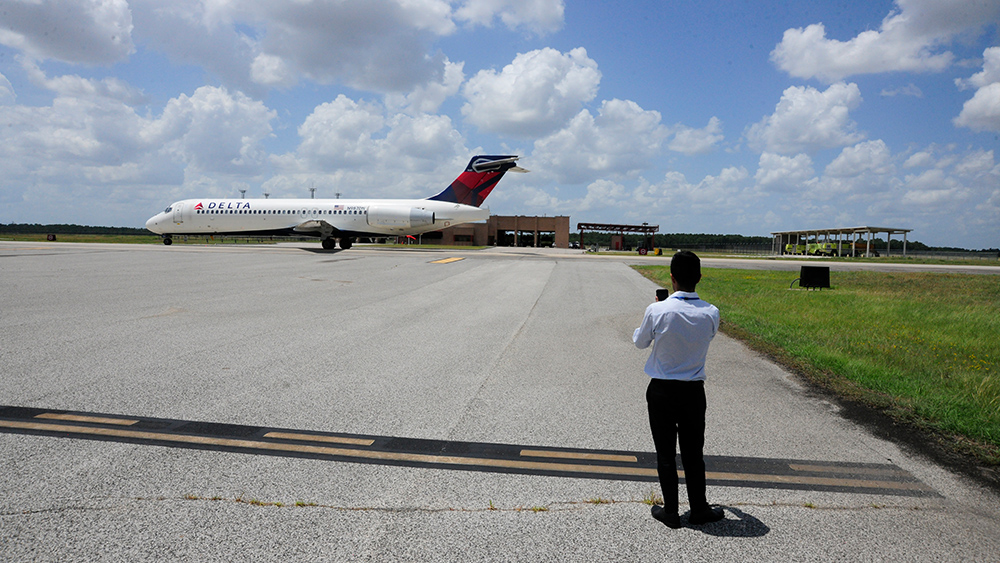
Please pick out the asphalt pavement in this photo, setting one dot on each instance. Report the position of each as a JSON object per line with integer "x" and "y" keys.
{"x": 279, "y": 402}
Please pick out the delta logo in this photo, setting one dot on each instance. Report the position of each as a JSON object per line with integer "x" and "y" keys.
{"x": 223, "y": 205}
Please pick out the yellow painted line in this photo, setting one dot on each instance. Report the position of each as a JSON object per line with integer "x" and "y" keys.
{"x": 94, "y": 419}
{"x": 853, "y": 470}
{"x": 806, "y": 480}
{"x": 315, "y": 438}
{"x": 583, "y": 456}
{"x": 325, "y": 450}
{"x": 447, "y": 260}
{"x": 452, "y": 460}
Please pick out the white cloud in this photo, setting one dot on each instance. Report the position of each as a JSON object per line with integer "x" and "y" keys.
{"x": 807, "y": 120}
{"x": 428, "y": 97}
{"x": 73, "y": 31}
{"x": 540, "y": 16}
{"x": 213, "y": 131}
{"x": 683, "y": 204}
{"x": 622, "y": 140}
{"x": 869, "y": 156}
{"x": 201, "y": 34}
{"x": 989, "y": 74}
{"x": 537, "y": 93}
{"x": 269, "y": 70}
{"x": 933, "y": 188}
{"x": 982, "y": 112}
{"x": 340, "y": 133}
{"x": 602, "y": 194}
{"x": 975, "y": 163}
{"x": 922, "y": 159}
{"x": 777, "y": 173}
{"x": 90, "y": 144}
{"x": 73, "y": 86}
{"x": 7, "y": 94}
{"x": 377, "y": 45}
{"x": 362, "y": 147}
{"x": 908, "y": 40}
{"x": 380, "y": 45}
{"x": 909, "y": 90}
{"x": 692, "y": 141}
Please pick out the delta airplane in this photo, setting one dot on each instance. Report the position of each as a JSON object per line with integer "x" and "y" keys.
{"x": 341, "y": 220}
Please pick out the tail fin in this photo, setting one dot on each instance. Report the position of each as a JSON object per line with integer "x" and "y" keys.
{"x": 479, "y": 179}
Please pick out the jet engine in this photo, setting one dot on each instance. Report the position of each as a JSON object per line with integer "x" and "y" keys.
{"x": 399, "y": 216}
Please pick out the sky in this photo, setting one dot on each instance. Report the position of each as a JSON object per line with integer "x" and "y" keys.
{"x": 735, "y": 117}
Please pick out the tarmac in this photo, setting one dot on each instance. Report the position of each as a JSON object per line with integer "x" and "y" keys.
{"x": 281, "y": 402}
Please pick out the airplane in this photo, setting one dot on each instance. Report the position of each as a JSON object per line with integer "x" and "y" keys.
{"x": 342, "y": 220}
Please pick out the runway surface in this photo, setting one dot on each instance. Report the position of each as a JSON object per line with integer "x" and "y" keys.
{"x": 282, "y": 403}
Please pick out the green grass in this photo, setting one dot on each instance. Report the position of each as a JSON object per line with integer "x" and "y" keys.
{"x": 924, "y": 347}
{"x": 894, "y": 259}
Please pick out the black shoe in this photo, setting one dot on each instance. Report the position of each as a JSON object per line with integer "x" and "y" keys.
{"x": 669, "y": 520}
{"x": 706, "y": 515}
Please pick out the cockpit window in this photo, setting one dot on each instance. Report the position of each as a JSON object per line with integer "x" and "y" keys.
{"x": 167, "y": 210}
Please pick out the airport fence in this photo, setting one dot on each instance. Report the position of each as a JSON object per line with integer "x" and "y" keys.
{"x": 738, "y": 249}
{"x": 950, "y": 255}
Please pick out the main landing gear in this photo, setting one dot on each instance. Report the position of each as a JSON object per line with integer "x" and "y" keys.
{"x": 330, "y": 243}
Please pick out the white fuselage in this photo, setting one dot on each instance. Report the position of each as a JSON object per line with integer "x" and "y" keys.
{"x": 316, "y": 217}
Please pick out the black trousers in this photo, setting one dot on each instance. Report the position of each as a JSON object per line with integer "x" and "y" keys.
{"x": 677, "y": 412}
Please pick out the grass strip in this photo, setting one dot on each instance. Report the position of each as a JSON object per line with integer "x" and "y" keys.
{"x": 923, "y": 347}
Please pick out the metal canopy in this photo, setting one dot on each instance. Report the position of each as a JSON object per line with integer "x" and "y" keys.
{"x": 846, "y": 230}
{"x": 645, "y": 229}
{"x": 852, "y": 234}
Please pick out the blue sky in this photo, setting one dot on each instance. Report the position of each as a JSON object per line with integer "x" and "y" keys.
{"x": 745, "y": 117}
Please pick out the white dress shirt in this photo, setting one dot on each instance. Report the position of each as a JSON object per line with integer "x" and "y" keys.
{"x": 680, "y": 329}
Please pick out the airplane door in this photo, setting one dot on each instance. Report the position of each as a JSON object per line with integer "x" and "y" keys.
{"x": 178, "y": 217}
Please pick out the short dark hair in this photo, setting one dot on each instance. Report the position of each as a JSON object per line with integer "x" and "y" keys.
{"x": 685, "y": 266}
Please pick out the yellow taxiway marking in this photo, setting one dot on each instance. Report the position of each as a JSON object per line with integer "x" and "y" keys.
{"x": 325, "y": 450}
{"x": 315, "y": 438}
{"x": 445, "y": 459}
{"x": 853, "y": 470}
{"x": 94, "y": 419}
{"x": 447, "y": 260}
{"x": 583, "y": 456}
{"x": 807, "y": 480}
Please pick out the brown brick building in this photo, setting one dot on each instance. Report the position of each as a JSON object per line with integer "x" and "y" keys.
{"x": 499, "y": 230}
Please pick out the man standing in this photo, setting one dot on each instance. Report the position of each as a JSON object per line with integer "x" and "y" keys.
{"x": 680, "y": 329}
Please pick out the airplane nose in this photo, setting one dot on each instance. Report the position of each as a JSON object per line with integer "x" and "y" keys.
{"x": 151, "y": 223}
